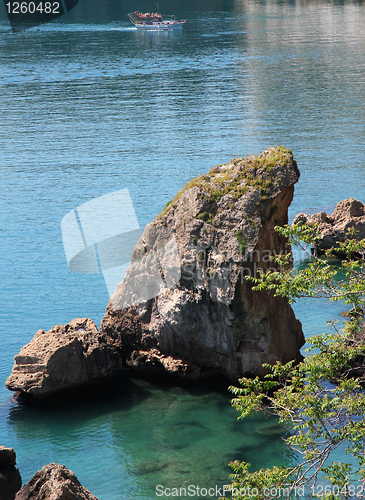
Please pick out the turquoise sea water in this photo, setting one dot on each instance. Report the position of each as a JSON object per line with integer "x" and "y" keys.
{"x": 89, "y": 106}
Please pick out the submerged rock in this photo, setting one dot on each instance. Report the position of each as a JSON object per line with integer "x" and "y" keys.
{"x": 149, "y": 467}
{"x": 63, "y": 357}
{"x": 349, "y": 214}
{"x": 277, "y": 429}
{"x": 10, "y": 480}
{"x": 185, "y": 306}
{"x": 54, "y": 482}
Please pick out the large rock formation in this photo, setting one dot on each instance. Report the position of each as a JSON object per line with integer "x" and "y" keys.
{"x": 10, "y": 480}
{"x": 54, "y": 482}
{"x": 349, "y": 214}
{"x": 185, "y": 306}
{"x": 63, "y": 357}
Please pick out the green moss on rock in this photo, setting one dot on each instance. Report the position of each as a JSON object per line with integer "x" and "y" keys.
{"x": 237, "y": 178}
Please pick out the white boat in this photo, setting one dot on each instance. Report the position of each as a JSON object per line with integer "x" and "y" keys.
{"x": 147, "y": 21}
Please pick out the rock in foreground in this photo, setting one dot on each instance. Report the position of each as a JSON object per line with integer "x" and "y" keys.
{"x": 10, "y": 480}
{"x": 332, "y": 229}
{"x": 185, "y": 306}
{"x": 54, "y": 482}
{"x": 64, "y": 357}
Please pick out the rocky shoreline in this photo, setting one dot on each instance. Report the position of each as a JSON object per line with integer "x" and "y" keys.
{"x": 348, "y": 216}
{"x": 185, "y": 307}
{"x": 52, "y": 482}
{"x": 62, "y": 358}
{"x": 10, "y": 480}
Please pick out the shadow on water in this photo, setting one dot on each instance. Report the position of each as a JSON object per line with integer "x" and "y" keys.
{"x": 161, "y": 431}
{"x": 122, "y": 395}
{"x": 94, "y": 400}
{"x": 117, "y": 393}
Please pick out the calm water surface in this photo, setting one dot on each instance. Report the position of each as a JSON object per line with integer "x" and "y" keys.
{"x": 89, "y": 106}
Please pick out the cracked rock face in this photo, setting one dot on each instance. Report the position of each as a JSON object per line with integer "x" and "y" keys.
{"x": 197, "y": 315}
{"x": 10, "y": 480}
{"x": 64, "y": 357}
{"x": 348, "y": 214}
{"x": 54, "y": 482}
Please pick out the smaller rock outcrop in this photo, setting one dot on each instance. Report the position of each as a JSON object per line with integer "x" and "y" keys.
{"x": 54, "y": 482}
{"x": 10, "y": 480}
{"x": 64, "y": 357}
{"x": 348, "y": 215}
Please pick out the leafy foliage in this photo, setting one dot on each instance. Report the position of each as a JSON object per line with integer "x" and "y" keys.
{"x": 320, "y": 278}
{"x": 321, "y": 398}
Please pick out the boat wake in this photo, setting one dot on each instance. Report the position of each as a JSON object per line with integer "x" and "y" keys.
{"x": 72, "y": 28}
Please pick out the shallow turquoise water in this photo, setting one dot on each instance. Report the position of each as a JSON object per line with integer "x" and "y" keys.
{"x": 140, "y": 435}
{"x": 89, "y": 106}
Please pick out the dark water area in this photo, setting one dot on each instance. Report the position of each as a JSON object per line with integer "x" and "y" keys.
{"x": 89, "y": 106}
{"x": 135, "y": 435}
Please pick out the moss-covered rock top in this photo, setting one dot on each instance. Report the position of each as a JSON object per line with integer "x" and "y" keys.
{"x": 263, "y": 173}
